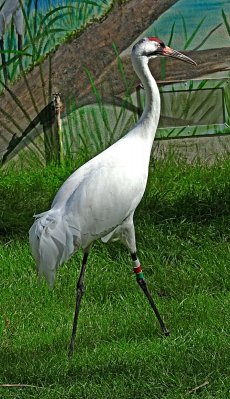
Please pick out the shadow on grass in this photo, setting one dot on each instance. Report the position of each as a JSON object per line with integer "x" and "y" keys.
{"x": 204, "y": 209}
{"x": 125, "y": 372}
{"x": 211, "y": 208}
{"x": 175, "y": 193}
{"x": 50, "y": 365}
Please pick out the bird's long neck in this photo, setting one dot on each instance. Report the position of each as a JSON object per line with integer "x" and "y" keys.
{"x": 150, "y": 116}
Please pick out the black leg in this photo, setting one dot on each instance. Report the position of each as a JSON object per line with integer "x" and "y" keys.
{"x": 79, "y": 294}
{"x": 20, "y": 49}
{"x": 4, "y": 67}
{"x": 142, "y": 283}
{"x": 19, "y": 43}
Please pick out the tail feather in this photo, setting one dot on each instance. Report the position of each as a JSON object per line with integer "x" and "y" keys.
{"x": 52, "y": 243}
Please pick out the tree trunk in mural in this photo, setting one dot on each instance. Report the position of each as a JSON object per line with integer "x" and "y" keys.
{"x": 92, "y": 51}
{"x": 65, "y": 72}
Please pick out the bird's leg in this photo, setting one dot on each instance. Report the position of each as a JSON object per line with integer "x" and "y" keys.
{"x": 4, "y": 67}
{"x": 142, "y": 283}
{"x": 20, "y": 49}
{"x": 79, "y": 294}
{"x": 19, "y": 43}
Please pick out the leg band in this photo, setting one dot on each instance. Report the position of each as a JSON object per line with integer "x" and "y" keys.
{"x": 138, "y": 270}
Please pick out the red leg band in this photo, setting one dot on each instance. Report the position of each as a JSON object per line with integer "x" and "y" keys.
{"x": 137, "y": 269}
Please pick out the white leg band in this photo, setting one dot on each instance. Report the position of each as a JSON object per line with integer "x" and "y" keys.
{"x": 136, "y": 263}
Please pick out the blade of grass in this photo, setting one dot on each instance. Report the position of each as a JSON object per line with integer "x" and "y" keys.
{"x": 13, "y": 121}
{"x": 16, "y": 52}
{"x": 194, "y": 33}
{"x": 98, "y": 141}
{"x": 18, "y": 103}
{"x": 227, "y": 25}
{"x": 163, "y": 60}
{"x": 35, "y": 16}
{"x": 28, "y": 27}
{"x": 184, "y": 28}
{"x": 28, "y": 86}
{"x": 207, "y": 37}
{"x": 53, "y": 11}
{"x": 171, "y": 34}
{"x": 10, "y": 41}
{"x": 34, "y": 48}
{"x": 98, "y": 100}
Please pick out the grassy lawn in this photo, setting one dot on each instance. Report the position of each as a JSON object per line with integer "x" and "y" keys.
{"x": 183, "y": 233}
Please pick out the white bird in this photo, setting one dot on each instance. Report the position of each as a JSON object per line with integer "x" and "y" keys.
{"x": 10, "y": 9}
{"x": 99, "y": 199}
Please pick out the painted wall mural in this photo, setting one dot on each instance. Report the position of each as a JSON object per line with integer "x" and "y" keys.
{"x": 81, "y": 48}
{"x": 202, "y": 106}
{"x": 195, "y": 24}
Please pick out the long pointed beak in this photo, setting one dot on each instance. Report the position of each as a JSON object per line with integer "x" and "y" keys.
{"x": 169, "y": 52}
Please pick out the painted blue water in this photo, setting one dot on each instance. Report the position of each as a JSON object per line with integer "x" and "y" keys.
{"x": 193, "y": 11}
{"x": 44, "y": 5}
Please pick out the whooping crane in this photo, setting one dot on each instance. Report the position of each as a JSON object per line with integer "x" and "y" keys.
{"x": 99, "y": 199}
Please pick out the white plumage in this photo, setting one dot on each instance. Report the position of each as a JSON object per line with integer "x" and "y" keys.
{"x": 100, "y": 198}
{"x": 11, "y": 9}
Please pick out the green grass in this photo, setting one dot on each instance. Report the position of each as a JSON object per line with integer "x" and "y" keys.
{"x": 182, "y": 228}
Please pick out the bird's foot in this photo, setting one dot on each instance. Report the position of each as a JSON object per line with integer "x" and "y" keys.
{"x": 166, "y": 332}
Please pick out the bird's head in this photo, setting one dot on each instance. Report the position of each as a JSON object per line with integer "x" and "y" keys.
{"x": 152, "y": 47}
